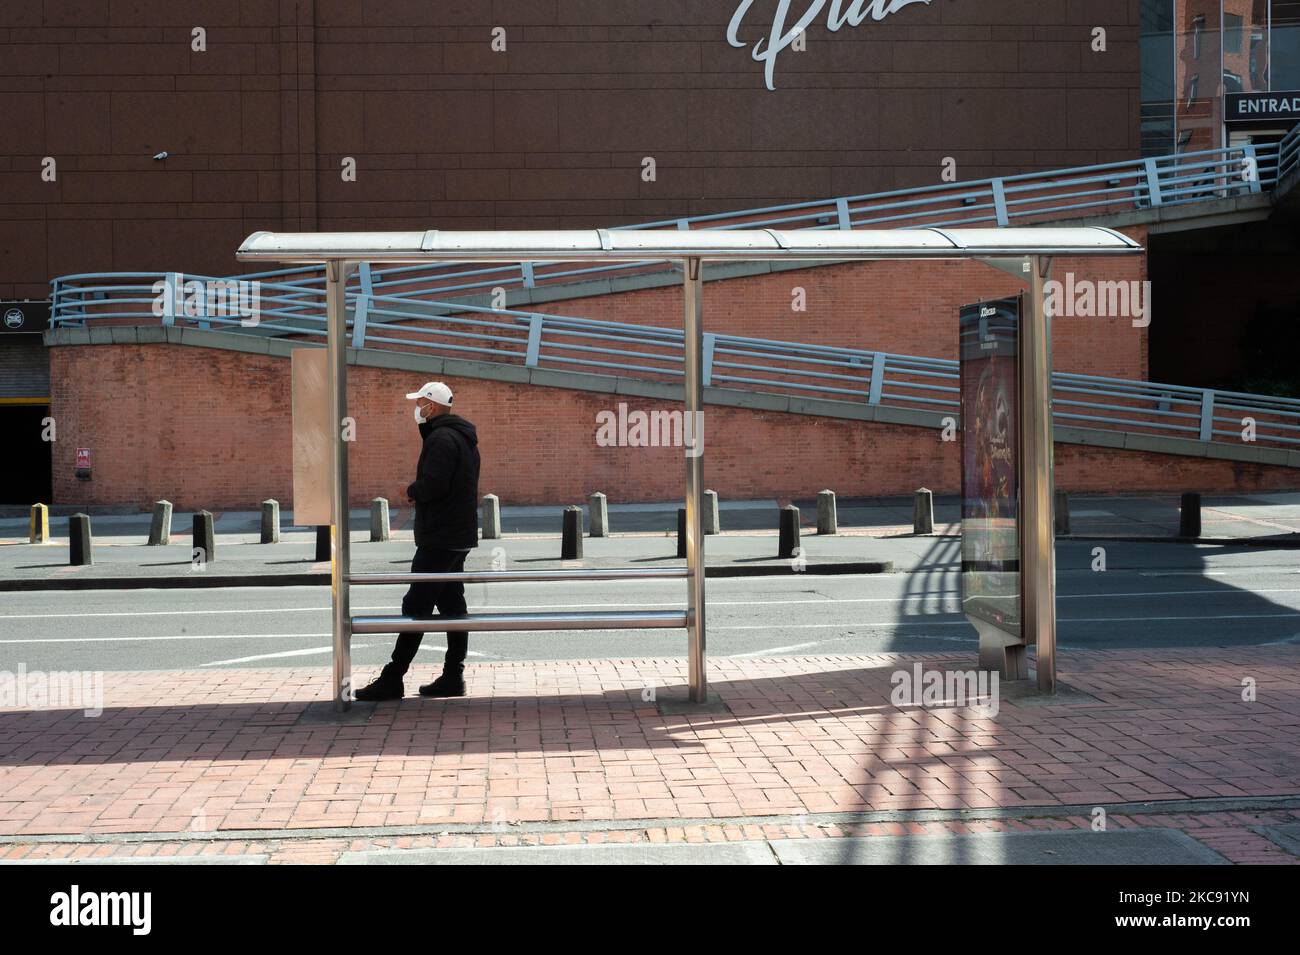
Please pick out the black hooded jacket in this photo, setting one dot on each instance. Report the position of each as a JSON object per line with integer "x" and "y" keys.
{"x": 445, "y": 489}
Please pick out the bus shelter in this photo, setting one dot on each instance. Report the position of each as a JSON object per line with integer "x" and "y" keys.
{"x": 1025, "y": 253}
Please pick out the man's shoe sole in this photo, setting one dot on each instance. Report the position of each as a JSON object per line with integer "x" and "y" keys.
{"x": 440, "y": 696}
{"x": 377, "y": 699}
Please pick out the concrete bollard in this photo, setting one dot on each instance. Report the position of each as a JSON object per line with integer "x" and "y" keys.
{"x": 491, "y": 517}
{"x": 599, "y": 509}
{"x": 204, "y": 538}
{"x": 828, "y": 521}
{"x": 379, "y": 527}
{"x": 322, "y": 542}
{"x": 1189, "y": 515}
{"x": 40, "y": 529}
{"x": 79, "y": 541}
{"x": 160, "y": 528}
{"x": 1061, "y": 510}
{"x": 710, "y": 516}
{"x": 271, "y": 521}
{"x": 788, "y": 525}
{"x": 571, "y": 539}
{"x": 923, "y": 511}
{"x": 681, "y": 532}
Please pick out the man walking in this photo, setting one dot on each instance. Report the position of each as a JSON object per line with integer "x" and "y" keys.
{"x": 445, "y": 493}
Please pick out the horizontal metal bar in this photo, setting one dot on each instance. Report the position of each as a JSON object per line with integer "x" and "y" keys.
{"x": 486, "y": 576}
{"x": 595, "y": 620}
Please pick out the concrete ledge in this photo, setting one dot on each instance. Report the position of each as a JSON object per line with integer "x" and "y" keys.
{"x": 1159, "y": 444}
{"x": 654, "y": 390}
{"x": 230, "y": 341}
{"x": 469, "y": 368}
{"x": 399, "y": 361}
{"x": 1202, "y": 214}
{"x": 1248, "y": 452}
{"x": 577, "y": 381}
{"x": 1090, "y": 437}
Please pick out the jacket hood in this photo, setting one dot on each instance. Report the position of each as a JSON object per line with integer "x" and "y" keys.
{"x": 451, "y": 421}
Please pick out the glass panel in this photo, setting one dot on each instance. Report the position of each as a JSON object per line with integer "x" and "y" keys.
{"x": 1286, "y": 45}
{"x": 1198, "y": 72}
{"x": 1245, "y": 46}
{"x": 1157, "y": 52}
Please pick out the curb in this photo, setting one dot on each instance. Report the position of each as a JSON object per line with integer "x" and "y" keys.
{"x": 1287, "y": 543}
{"x": 323, "y": 580}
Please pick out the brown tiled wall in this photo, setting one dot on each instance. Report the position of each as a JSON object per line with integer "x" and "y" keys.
{"x": 448, "y": 134}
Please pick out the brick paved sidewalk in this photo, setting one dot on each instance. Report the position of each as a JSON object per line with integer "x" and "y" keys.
{"x": 538, "y": 746}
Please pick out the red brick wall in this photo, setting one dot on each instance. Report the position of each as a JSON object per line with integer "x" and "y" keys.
{"x": 906, "y": 308}
{"x": 551, "y": 133}
{"x": 209, "y": 428}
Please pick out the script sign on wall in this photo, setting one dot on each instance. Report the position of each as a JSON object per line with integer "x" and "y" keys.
{"x": 839, "y": 13}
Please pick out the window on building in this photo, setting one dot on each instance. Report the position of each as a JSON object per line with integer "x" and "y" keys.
{"x": 1284, "y": 72}
{"x": 1232, "y": 32}
{"x": 1198, "y": 28}
{"x": 1158, "y": 83}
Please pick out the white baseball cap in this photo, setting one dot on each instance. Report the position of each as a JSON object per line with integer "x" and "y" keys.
{"x": 435, "y": 391}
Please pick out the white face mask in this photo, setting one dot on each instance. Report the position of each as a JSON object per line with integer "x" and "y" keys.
{"x": 419, "y": 415}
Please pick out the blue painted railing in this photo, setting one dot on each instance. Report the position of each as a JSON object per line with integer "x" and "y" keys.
{"x": 538, "y": 340}
{"x": 407, "y": 307}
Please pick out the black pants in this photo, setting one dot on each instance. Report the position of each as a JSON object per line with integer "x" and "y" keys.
{"x": 422, "y": 599}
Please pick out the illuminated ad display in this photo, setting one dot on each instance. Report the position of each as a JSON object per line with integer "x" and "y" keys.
{"x": 990, "y": 456}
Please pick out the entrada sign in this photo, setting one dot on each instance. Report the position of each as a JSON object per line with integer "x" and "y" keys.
{"x": 1245, "y": 106}
{"x": 781, "y": 38}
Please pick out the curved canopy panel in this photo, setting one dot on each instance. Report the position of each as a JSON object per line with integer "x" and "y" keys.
{"x": 631, "y": 245}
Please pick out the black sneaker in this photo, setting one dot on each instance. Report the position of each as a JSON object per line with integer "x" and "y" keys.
{"x": 449, "y": 684}
{"x": 386, "y": 686}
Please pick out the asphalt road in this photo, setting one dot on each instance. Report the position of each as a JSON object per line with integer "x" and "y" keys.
{"x": 1150, "y": 596}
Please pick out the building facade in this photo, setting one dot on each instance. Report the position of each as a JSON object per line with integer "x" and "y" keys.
{"x": 154, "y": 136}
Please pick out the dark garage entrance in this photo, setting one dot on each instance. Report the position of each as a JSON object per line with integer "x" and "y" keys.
{"x": 24, "y": 403}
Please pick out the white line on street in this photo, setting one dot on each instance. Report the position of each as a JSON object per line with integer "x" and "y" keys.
{"x": 847, "y": 625}
{"x": 793, "y": 646}
{"x": 823, "y": 601}
{"x": 283, "y": 653}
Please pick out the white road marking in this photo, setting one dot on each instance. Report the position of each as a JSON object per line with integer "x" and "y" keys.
{"x": 283, "y": 653}
{"x": 824, "y": 601}
{"x": 311, "y": 650}
{"x": 847, "y": 625}
{"x": 759, "y": 653}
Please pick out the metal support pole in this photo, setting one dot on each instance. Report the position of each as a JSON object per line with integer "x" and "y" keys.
{"x": 692, "y": 328}
{"x": 336, "y": 279}
{"x": 1038, "y": 556}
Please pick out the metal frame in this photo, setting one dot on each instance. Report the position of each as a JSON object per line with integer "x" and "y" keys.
{"x": 341, "y": 252}
{"x": 565, "y": 343}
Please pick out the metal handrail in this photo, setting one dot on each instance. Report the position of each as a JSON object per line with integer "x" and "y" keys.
{"x": 417, "y": 317}
{"x": 545, "y": 620}
{"x": 1174, "y": 179}
{"x": 843, "y": 373}
{"x": 515, "y": 576}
